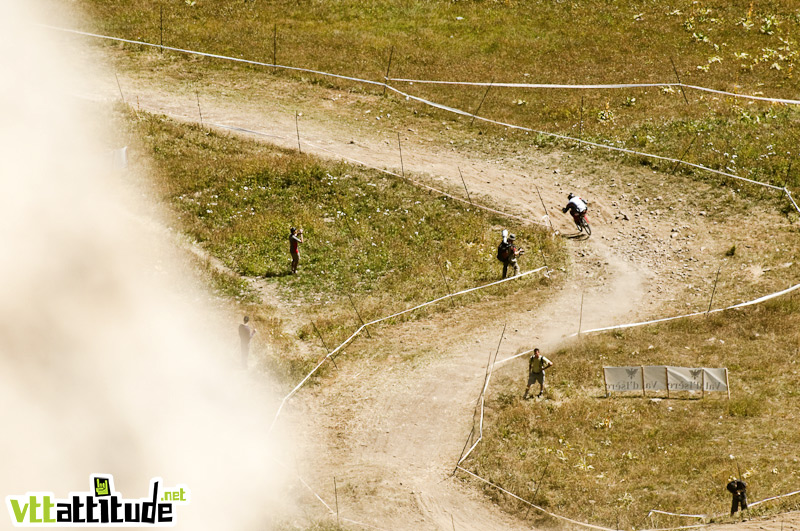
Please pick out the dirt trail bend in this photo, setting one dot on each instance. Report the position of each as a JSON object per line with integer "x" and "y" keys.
{"x": 391, "y": 432}
{"x": 394, "y": 432}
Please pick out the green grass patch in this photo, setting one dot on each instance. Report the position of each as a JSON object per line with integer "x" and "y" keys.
{"x": 380, "y": 240}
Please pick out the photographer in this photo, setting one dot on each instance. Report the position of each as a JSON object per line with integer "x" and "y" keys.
{"x": 507, "y": 252}
{"x": 295, "y": 239}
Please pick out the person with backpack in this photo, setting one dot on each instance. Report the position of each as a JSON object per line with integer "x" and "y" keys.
{"x": 577, "y": 208}
{"x": 738, "y": 490}
{"x": 507, "y": 252}
{"x": 536, "y": 367}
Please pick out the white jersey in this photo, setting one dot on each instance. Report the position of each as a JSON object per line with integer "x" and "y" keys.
{"x": 579, "y": 204}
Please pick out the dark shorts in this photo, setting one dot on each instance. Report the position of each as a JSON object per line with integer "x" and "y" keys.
{"x": 534, "y": 377}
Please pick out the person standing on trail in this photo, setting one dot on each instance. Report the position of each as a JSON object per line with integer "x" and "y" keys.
{"x": 738, "y": 490}
{"x": 577, "y": 208}
{"x": 295, "y": 239}
{"x": 536, "y": 367}
{"x": 507, "y": 252}
{"x": 246, "y": 333}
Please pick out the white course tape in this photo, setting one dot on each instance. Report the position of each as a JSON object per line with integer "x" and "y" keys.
{"x": 695, "y": 314}
{"x": 490, "y": 370}
{"x": 654, "y": 511}
{"x": 362, "y": 327}
{"x": 531, "y": 85}
{"x": 437, "y": 105}
{"x": 774, "y": 498}
{"x": 594, "y": 87}
{"x": 576, "y": 522}
{"x": 745, "y": 96}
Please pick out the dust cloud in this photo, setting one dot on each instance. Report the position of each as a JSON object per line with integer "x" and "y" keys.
{"x": 109, "y": 362}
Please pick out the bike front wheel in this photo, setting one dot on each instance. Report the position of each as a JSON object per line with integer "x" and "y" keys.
{"x": 585, "y": 226}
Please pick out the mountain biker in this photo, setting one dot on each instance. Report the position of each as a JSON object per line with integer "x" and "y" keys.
{"x": 577, "y": 208}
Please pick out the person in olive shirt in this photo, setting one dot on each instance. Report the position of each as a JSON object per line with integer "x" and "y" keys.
{"x": 536, "y": 367}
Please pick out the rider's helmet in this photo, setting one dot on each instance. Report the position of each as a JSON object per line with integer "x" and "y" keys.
{"x": 570, "y": 196}
{"x": 511, "y": 237}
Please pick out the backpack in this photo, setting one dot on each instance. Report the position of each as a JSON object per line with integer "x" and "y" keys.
{"x": 735, "y": 485}
{"x": 504, "y": 251}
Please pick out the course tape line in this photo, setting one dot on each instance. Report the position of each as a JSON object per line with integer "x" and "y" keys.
{"x": 376, "y": 321}
{"x": 486, "y": 388}
{"x": 437, "y": 105}
{"x": 600, "y": 86}
{"x": 749, "y": 505}
{"x": 490, "y": 370}
{"x": 695, "y": 314}
{"x": 388, "y": 172}
{"x": 464, "y": 113}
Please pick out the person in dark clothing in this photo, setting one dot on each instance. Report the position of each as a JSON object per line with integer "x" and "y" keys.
{"x": 738, "y": 490}
{"x": 508, "y": 253}
{"x": 295, "y": 239}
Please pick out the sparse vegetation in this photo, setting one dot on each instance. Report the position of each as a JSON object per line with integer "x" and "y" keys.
{"x": 611, "y": 460}
{"x": 735, "y": 46}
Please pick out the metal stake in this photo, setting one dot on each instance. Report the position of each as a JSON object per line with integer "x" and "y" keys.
{"x": 161, "y": 42}
{"x": 713, "y": 291}
{"x": 680, "y": 159}
{"x": 545, "y": 209}
{"x": 119, "y": 87}
{"x": 359, "y": 315}
{"x": 386, "y": 77}
{"x": 580, "y": 319}
{"x": 680, "y": 83}
{"x": 441, "y": 270}
{"x": 336, "y": 493}
{"x": 465, "y": 185}
{"x": 402, "y": 169}
{"x": 199, "y": 111}
{"x": 274, "y": 44}
{"x": 323, "y": 343}
{"x": 481, "y": 103}
{"x": 297, "y": 127}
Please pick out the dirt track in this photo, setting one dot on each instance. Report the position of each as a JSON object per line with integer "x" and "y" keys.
{"x": 391, "y": 433}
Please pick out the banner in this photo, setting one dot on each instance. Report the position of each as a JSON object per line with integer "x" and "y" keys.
{"x": 664, "y": 378}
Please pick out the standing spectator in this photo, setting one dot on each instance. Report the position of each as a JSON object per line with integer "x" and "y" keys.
{"x": 738, "y": 490}
{"x": 246, "y": 333}
{"x": 295, "y": 239}
{"x": 508, "y": 253}
{"x": 536, "y": 367}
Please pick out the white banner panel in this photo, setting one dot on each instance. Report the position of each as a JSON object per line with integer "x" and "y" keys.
{"x": 663, "y": 378}
{"x": 620, "y": 379}
{"x": 683, "y": 379}
{"x": 716, "y": 380}
{"x": 655, "y": 378}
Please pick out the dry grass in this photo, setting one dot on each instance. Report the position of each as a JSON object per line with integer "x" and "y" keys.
{"x": 738, "y": 46}
{"x": 611, "y": 460}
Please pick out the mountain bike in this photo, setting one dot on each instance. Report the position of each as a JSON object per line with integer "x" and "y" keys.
{"x": 583, "y": 224}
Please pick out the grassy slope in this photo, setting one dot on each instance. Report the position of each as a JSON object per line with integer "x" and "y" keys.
{"x": 368, "y": 235}
{"x": 505, "y": 41}
{"x": 630, "y": 455}
{"x": 734, "y": 45}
